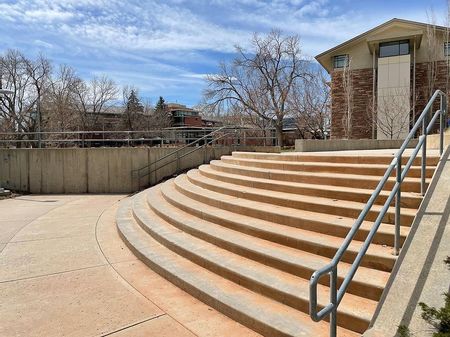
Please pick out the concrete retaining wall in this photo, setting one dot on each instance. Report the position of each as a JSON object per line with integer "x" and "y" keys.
{"x": 314, "y": 145}
{"x": 433, "y": 141}
{"x": 96, "y": 170}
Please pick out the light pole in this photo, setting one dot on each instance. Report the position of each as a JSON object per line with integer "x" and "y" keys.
{"x": 4, "y": 92}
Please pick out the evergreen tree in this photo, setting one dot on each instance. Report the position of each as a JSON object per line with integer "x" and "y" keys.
{"x": 133, "y": 103}
{"x": 161, "y": 117}
{"x": 161, "y": 105}
{"x": 133, "y": 110}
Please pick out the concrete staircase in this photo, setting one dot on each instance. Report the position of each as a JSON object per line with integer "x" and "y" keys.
{"x": 244, "y": 234}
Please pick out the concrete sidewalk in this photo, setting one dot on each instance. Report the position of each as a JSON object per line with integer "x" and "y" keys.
{"x": 64, "y": 271}
{"x": 420, "y": 274}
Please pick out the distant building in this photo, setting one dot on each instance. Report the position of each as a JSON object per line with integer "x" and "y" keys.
{"x": 184, "y": 116}
{"x": 108, "y": 120}
{"x": 388, "y": 68}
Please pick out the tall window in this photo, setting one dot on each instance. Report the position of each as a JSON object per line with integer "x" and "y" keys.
{"x": 340, "y": 61}
{"x": 446, "y": 48}
{"x": 394, "y": 48}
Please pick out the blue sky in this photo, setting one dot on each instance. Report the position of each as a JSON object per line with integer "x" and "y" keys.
{"x": 166, "y": 47}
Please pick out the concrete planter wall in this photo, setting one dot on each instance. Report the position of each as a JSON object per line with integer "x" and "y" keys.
{"x": 95, "y": 170}
{"x": 314, "y": 145}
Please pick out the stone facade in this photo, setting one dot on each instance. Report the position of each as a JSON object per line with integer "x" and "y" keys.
{"x": 423, "y": 94}
{"x": 362, "y": 83}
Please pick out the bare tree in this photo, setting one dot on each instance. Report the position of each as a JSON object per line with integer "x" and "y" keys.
{"x": 432, "y": 54}
{"x": 311, "y": 106}
{"x": 39, "y": 72}
{"x": 18, "y": 109}
{"x": 210, "y": 111}
{"x": 392, "y": 114}
{"x": 260, "y": 81}
{"x": 347, "y": 86}
{"x": 59, "y": 102}
{"x": 93, "y": 99}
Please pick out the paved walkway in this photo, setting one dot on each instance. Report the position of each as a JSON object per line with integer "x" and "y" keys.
{"x": 64, "y": 271}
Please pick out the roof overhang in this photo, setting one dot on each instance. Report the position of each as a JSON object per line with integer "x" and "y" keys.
{"x": 415, "y": 34}
{"x": 413, "y": 37}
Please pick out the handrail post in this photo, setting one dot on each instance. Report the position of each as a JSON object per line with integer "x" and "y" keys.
{"x": 178, "y": 163}
{"x": 441, "y": 123}
{"x": 333, "y": 301}
{"x": 398, "y": 197}
{"x": 424, "y": 155}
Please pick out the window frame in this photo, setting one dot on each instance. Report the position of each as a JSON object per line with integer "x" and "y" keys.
{"x": 397, "y": 44}
{"x": 345, "y": 60}
{"x": 447, "y": 48}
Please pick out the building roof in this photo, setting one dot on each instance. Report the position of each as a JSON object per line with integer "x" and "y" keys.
{"x": 177, "y": 106}
{"x": 361, "y": 37}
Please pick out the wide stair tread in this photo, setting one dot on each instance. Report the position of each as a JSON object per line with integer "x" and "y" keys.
{"x": 319, "y": 204}
{"x": 329, "y": 167}
{"x": 335, "y": 157}
{"x": 336, "y": 179}
{"x": 260, "y": 313}
{"x": 367, "y": 282}
{"x": 354, "y": 311}
{"x": 377, "y": 257}
{"x": 409, "y": 199}
{"x": 310, "y": 220}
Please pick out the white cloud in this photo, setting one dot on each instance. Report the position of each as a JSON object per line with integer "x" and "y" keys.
{"x": 41, "y": 43}
{"x": 172, "y": 44}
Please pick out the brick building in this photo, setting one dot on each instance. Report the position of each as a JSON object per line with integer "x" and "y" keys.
{"x": 382, "y": 79}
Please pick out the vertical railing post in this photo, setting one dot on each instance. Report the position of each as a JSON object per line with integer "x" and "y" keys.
{"x": 443, "y": 112}
{"x": 178, "y": 163}
{"x": 398, "y": 197}
{"x": 333, "y": 301}
{"x": 424, "y": 155}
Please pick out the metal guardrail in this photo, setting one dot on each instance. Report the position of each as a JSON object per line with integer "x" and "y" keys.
{"x": 148, "y": 171}
{"x": 337, "y": 293}
{"x": 165, "y": 137}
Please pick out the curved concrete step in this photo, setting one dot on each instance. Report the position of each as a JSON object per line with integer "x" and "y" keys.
{"x": 378, "y": 257}
{"x": 368, "y": 283}
{"x": 335, "y": 179}
{"x": 346, "y": 168}
{"x": 334, "y": 157}
{"x": 354, "y": 312}
{"x": 409, "y": 199}
{"x": 257, "y": 312}
{"x": 350, "y": 209}
{"x": 304, "y": 219}
{"x": 245, "y": 234}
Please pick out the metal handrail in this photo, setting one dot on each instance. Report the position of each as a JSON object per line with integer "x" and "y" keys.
{"x": 337, "y": 293}
{"x": 176, "y": 152}
{"x": 180, "y": 149}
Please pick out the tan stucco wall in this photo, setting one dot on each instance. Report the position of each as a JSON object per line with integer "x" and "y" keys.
{"x": 362, "y": 57}
{"x": 393, "y": 90}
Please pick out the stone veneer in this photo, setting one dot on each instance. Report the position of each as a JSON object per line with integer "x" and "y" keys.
{"x": 362, "y": 98}
{"x": 361, "y": 102}
{"x": 422, "y": 91}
